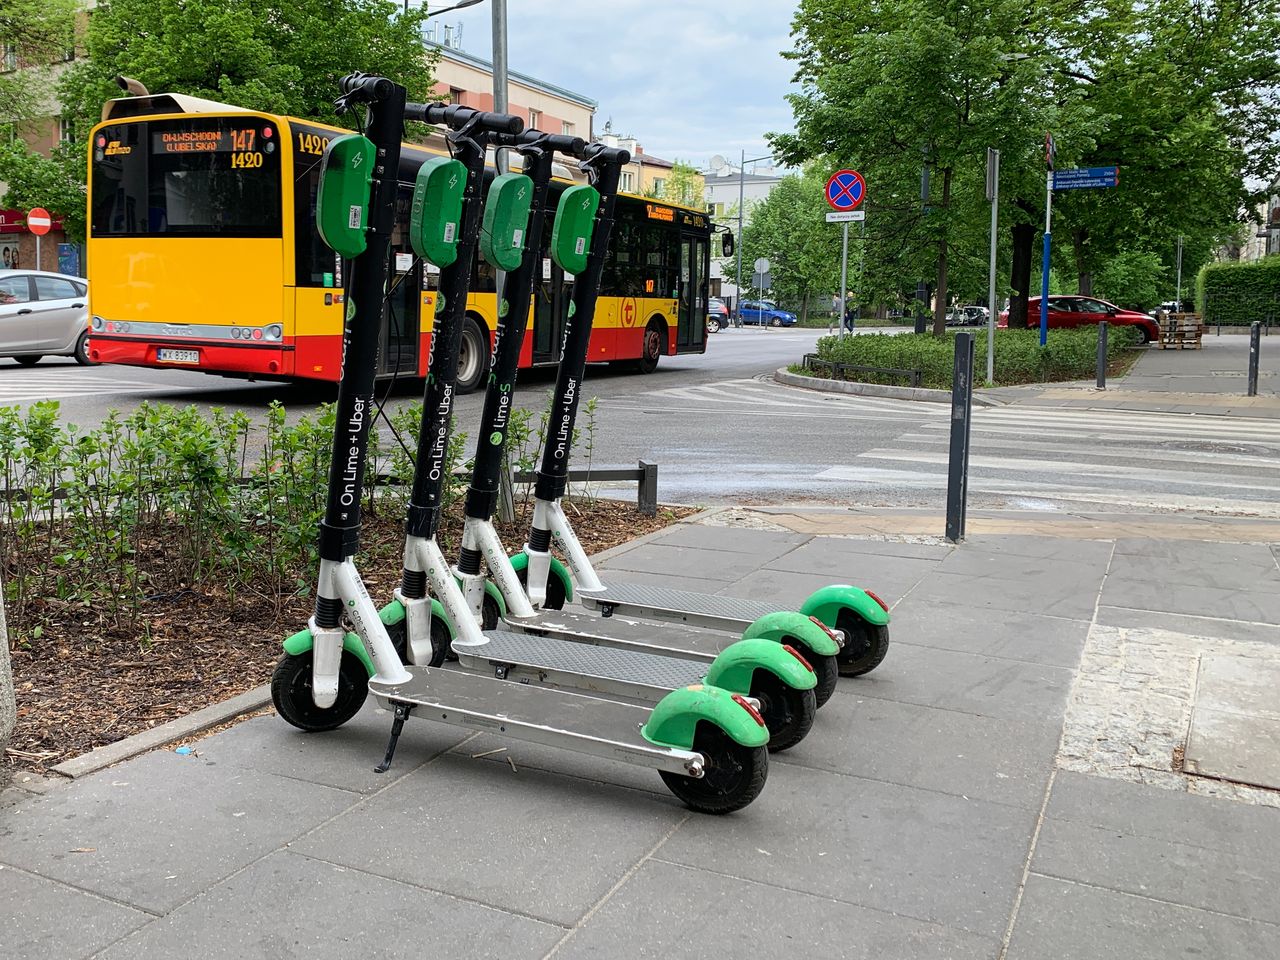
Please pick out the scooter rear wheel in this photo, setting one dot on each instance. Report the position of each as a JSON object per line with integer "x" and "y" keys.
{"x": 733, "y": 777}
{"x": 555, "y": 598}
{"x": 866, "y": 644}
{"x": 291, "y": 692}
{"x": 787, "y": 712}
{"x": 828, "y": 672}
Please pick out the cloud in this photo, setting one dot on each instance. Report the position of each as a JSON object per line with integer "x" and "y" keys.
{"x": 688, "y": 81}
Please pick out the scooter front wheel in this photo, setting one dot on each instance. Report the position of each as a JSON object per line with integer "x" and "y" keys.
{"x": 787, "y": 712}
{"x": 555, "y": 596}
{"x": 733, "y": 776}
{"x": 828, "y": 673}
{"x": 291, "y": 692}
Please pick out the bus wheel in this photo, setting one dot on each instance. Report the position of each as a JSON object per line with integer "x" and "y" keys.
{"x": 651, "y": 347}
{"x": 472, "y": 356}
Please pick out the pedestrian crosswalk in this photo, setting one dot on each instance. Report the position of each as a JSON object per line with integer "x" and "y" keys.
{"x": 1023, "y": 456}
{"x": 26, "y": 385}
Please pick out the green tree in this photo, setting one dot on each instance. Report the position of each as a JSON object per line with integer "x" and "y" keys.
{"x": 55, "y": 182}
{"x": 683, "y": 185}
{"x": 40, "y": 31}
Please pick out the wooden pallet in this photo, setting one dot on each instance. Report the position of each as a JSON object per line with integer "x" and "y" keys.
{"x": 1182, "y": 331}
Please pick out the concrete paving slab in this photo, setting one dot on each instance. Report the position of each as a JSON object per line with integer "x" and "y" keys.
{"x": 528, "y": 842}
{"x": 671, "y": 912}
{"x": 1038, "y": 547}
{"x": 1068, "y": 921}
{"x": 1064, "y": 590}
{"x": 1184, "y": 623}
{"x": 158, "y": 830}
{"x": 1138, "y": 810}
{"x": 907, "y": 549}
{"x": 831, "y": 557}
{"x": 342, "y": 758}
{"x": 986, "y": 686}
{"x": 611, "y": 574}
{"x": 1231, "y": 604}
{"x": 1256, "y": 557}
{"x": 1177, "y": 869}
{"x": 950, "y": 752}
{"x": 1239, "y": 684}
{"x": 1233, "y": 746}
{"x": 676, "y": 562}
{"x": 1253, "y": 565}
{"x": 43, "y": 919}
{"x": 789, "y": 589}
{"x": 915, "y": 853}
{"x": 1008, "y": 634}
{"x": 293, "y": 906}
{"x": 499, "y": 750}
{"x": 759, "y": 543}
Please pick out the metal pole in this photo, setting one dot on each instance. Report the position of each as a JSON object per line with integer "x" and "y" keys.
{"x": 498, "y": 8}
{"x": 737, "y": 302}
{"x": 844, "y": 273}
{"x": 1178, "y": 308}
{"x": 994, "y": 165}
{"x": 922, "y": 287}
{"x": 1102, "y": 355}
{"x": 1044, "y": 263}
{"x": 958, "y": 458}
{"x": 1255, "y": 345}
{"x": 38, "y": 267}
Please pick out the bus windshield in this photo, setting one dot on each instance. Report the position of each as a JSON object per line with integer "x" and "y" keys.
{"x": 197, "y": 177}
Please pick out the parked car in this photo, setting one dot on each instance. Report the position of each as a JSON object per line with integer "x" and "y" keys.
{"x": 1076, "y": 311}
{"x": 968, "y": 317}
{"x": 43, "y": 315}
{"x": 717, "y": 315}
{"x": 766, "y": 312}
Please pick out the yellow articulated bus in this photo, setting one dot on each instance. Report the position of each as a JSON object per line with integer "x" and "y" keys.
{"x": 203, "y": 255}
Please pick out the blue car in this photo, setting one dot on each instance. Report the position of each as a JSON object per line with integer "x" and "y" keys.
{"x": 766, "y": 312}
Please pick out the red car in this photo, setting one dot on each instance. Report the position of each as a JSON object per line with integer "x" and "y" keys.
{"x": 1076, "y": 311}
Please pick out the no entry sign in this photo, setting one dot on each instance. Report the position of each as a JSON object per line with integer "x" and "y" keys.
{"x": 39, "y": 222}
{"x": 846, "y": 190}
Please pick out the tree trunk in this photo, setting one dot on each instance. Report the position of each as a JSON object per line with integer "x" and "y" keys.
{"x": 1084, "y": 279}
{"x": 1023, "y": 235}
{"x": 940, "y": 304}
{"x": 804, "y": 308}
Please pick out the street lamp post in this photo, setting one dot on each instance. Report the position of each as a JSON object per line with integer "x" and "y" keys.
{"x": 742, "y": 179}
{"x": 456, "y": 6}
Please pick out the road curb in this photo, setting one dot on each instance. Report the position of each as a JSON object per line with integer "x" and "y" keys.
{"x": 922, "y": 394}
{"x": 178, "y": 729}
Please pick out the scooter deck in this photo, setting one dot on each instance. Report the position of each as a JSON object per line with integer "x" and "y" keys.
{"x": 683, "y": 606}
{"x": 537, "y": 714}
{"x": 642, "y": 675}
{"x": 626, "y": 632}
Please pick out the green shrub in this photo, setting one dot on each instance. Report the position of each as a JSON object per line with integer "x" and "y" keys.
{"x": 1069, "y": 355}
{"x": 1239, "y": 293}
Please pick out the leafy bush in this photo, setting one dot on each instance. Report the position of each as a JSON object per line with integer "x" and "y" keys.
{"x": 1240, "y": 293}
{"x": 1069, "y": 355}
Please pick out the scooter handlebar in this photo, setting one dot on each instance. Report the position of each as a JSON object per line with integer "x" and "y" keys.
{"x": 365, "y": 88}
{"x": 569, "y": 146}
{"x": 456, "y": 117}
{"x": 602, "y": 153}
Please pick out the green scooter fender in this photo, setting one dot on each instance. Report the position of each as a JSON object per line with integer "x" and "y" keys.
{"x": 826, "y": 603}
{"x": 302, "y": 641}
{"x": 788, "y": 624}
{"x": 734, "y": 668}
{"x": 674, "y": 721}
{"x": 520, "y": 561}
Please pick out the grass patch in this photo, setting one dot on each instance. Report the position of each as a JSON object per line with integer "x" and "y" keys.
{"x": 1069, "y": 355}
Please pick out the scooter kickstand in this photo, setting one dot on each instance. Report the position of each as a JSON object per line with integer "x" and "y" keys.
{"x": 402, "y": 714}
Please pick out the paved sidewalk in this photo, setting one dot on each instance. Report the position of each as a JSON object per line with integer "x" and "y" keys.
{"x": 1007, "y": 784}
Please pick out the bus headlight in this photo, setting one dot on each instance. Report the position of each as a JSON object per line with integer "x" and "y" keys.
{"x": 97, "y": 322}
{"x": 275, "y": 332}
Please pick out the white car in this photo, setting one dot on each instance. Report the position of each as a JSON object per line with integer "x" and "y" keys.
{"x": 43, "y": 315}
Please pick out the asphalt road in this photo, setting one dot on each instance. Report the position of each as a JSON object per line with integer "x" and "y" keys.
{"x": 721, "y": 431}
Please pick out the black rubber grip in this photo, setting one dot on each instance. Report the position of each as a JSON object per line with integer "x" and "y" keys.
{"x": 607, "y": 154}
{"x": 456, "y": 117}
{"x": 364, "y": 86}
{"x": 569, "y": 146}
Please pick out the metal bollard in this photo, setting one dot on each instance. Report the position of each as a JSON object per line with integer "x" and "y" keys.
{"x": 958, "y": 459}
{"x": 1255, "y": 333}
{"x": 1102, "y": 355}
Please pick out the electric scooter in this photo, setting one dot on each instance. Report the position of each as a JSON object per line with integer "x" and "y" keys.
{"x": 774, "y": 674}
{"x": 706, "y": 743}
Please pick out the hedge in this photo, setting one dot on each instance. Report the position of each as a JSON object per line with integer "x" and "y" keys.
{"x": 1069, "y": 355}
{"x": 1240, "y": 293}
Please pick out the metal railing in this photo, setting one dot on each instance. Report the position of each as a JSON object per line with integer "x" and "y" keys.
{"x": 838, "y": 369}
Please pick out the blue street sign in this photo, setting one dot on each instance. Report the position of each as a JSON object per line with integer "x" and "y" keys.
{"x": 1084, "y": 178}
{"x": 846, "y": 190}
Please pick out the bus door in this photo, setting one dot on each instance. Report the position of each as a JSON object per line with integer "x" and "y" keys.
{"x": 399, "y": 348}
{"x": 691, "y": 323}
{"x": 551, "y": 304}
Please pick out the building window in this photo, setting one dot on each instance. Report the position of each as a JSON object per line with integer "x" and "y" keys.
{"x": 628, "y": 181}
{"x": 455, "y": 95}
{"x": 535, "y": 117}
{"x": 566, "y": 128}
{"x": 10, "y": 57}
{"x": 66, "y": 129}
{"x": 658, "y": 183}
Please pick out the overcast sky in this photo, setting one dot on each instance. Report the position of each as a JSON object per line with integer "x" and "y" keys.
{"x": 688, "y": 80}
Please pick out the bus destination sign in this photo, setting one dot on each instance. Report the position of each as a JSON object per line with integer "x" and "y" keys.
{"x": 218, "y": 140}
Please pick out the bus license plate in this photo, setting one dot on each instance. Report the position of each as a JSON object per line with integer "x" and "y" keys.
{"x": 179, "y": 356}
